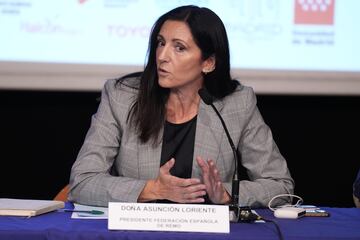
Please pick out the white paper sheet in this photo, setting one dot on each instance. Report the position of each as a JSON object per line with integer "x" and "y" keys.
{"x": 78, "y": 215}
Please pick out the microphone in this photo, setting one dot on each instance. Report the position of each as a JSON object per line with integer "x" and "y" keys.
{"x": 241, "y": 214}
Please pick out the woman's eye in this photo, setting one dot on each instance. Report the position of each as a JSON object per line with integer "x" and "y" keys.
{"x": 160, "y": 43}
{"x": 179, "y": 48}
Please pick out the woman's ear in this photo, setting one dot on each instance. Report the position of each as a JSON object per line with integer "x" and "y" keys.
{"x": 209, "y": 64}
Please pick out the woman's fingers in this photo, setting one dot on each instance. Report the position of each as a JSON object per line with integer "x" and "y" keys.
{"x": 190, "y": 196}
{"x": 190, "y": 193}
{"x": 211, "y": 178}
{"x": 165, "y": 169}
{"x": 203, "y": 165}
{"x": 179, "y": 189}
{"x": 214, "y": 171}
{"x": 181, "y": 182}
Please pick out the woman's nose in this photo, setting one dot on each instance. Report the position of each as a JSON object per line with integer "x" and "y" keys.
{"x": 163, "y": 54}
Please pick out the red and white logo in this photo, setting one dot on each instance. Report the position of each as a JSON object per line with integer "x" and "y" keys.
{"x": 317, "y": 12}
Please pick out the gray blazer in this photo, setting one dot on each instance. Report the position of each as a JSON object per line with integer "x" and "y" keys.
{"x": 112, "y": 146}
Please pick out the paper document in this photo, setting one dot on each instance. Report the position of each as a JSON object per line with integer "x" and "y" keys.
{"x": 27, "y": 207}
{"x": 83, "y": 215}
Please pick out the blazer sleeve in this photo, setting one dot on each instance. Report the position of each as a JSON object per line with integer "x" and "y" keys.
{"x": 266, "y": 167}
{"x": 91, "y": 181}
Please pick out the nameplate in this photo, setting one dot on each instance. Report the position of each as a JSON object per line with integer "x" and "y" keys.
{"x": 169, "y": 217}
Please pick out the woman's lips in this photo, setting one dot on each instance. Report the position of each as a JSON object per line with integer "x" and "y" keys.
{"x": 162, "y": 71}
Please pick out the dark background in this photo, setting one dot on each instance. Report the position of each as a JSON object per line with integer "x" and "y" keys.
{"x": 41, "y": 133}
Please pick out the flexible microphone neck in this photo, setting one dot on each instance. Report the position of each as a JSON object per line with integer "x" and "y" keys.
{"x": 244, "y": 213}
{"x": 208, "y": 100}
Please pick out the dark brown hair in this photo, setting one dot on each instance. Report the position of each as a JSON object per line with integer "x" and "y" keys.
{"x": 147, "y": 114}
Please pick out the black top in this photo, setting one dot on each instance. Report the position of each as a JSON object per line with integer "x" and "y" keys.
{"x": 178, "y": 143}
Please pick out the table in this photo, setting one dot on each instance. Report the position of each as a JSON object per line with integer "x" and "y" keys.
{"x": 344, "y": 223}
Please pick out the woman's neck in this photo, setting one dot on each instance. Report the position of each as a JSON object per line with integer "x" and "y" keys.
{"x": 182, "y": 107}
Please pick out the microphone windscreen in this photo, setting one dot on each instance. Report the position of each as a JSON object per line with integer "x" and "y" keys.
{"x": 205, "y": 96}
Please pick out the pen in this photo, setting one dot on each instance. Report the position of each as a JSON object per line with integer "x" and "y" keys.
{"x": 94, "y": 212}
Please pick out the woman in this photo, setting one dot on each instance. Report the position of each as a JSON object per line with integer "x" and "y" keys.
{"x": 153, "y": 139}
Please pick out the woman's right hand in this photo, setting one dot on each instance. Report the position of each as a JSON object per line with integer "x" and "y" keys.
{"x": 172, "y": 188}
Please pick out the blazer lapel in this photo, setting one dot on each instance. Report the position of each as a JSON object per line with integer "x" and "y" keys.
{"x": 209, "y": 135}
{"x": 208, "y": 138}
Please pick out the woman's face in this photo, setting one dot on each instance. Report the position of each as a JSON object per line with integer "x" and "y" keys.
{"x": 178, "y": 58}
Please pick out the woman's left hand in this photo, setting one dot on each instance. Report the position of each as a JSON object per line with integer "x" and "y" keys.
{"x": 211, "y": 178}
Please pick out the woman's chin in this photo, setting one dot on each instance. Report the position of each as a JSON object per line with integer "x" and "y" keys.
{"x": 165, "y": 83}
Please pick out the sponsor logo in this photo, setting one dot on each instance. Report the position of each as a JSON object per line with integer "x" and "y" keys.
{"x": 314, "y": 12}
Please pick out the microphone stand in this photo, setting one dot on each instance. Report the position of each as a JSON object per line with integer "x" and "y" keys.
{"x": 237, "y": 213}
{"x": 234, "y": 204}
